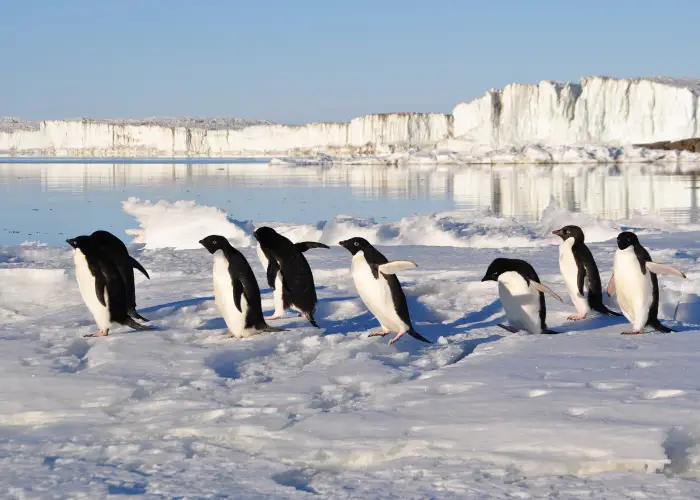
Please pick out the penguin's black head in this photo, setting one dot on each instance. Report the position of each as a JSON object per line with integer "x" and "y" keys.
{"x": 265, "y": 235}
{"x": 567, "y": 232}
{"x": 496, "y": 268}
{"x": 354, "y": 245}
{"x": 79, "y": 242}
{"x": 214, "y": 242}
{"x": 626, "y": 239}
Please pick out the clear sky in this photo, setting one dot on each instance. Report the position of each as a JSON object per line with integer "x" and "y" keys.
{"x": 295, "y": 61}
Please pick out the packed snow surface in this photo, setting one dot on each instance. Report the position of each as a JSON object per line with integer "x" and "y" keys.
{"x": 598, "y": 119}
{"x": 185, "y": 412}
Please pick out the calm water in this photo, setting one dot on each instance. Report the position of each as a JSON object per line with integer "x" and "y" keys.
{"x": 51, "y": 201}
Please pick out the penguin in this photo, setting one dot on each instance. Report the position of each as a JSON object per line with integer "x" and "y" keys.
{"x": 635, "y": 282}
{"x": 379, "y": 288}
{"x": 236, "y": 291}
{"x": 117, "y": 251}
{"x": 579, "y": 270}
{"x": 288, "y": 273}
{"x": 521, "y": 294}
{"x": 101, "y": 286}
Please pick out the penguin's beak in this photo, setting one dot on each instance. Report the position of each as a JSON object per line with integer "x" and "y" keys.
{"x": 342, "y": 243}
{"x": 558, "y": 232}
{"x": 71, "y": 242}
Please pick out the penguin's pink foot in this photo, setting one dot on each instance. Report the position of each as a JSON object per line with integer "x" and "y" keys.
{"x": 633, "y": 332}
{"x": 398, "y": 336}
{"x": 379, "y": 334}
{"x": 576, "y": 317}
{"x": 274, "y": 316}
{"x": 101, "y": 333}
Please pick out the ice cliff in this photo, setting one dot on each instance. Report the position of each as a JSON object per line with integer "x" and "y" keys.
{"x": 596, "y": 111}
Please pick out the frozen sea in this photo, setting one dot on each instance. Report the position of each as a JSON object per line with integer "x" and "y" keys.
{"x": 185, "y": 412}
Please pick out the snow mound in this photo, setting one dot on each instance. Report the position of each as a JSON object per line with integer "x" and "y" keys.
{"x": 180, "y": 225}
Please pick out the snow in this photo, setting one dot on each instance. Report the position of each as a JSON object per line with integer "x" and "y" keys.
{"x": 598, "y": 119}
{"x": 184, "y": 412}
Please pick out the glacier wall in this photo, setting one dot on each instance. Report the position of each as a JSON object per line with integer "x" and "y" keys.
{"x": 366, "y": 134}
{"x": 597, "y": 110}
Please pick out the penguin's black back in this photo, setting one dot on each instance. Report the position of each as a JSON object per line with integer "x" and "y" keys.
{"x": 115, "y": 249}
{"x": 243, "y": 281}
{"x": 107, "y": 278}
{"x": 653, "y": 318}
{"x": 298, "y": 285}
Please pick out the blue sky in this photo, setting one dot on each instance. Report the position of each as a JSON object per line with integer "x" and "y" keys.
{"x": 295, "y": 61}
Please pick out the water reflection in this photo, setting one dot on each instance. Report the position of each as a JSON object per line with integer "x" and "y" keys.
{"x": 261, "y": 192}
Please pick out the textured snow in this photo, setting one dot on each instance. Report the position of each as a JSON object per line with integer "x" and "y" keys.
{"x": 185, "y": 412}
{"x": 595, "y": 120}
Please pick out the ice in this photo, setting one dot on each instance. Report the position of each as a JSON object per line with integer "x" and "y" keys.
{"x": 183, "y": 411}
{"x": 598, "y": 119}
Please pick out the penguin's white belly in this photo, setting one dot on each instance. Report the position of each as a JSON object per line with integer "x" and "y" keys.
{"x": 86, "y": 284}
{"x": 520, "y": 302}
{"x": 223, "y": 297}
{"x": 633, "y": 289}
{"x": 569, "y": 271}
{"x": 376, "y": 294}
{"x": 277, "y": 292}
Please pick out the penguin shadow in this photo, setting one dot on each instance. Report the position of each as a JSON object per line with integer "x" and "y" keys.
{"x": 217, "y": 323}
{"x": 174, "y": 306}
{"x": 328, "y": 305}
{"x": 597, "y": 322}
{"x": 480, "y": 319}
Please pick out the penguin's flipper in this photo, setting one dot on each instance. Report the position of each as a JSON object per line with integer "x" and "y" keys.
{"x": 395, "y": 266}
{"x": 310, "y": 317}
{"x": 657, "y": 268}
{"x": 136, "y": 326}
{"x": 544, "y": 289}
{"x": 100, "y": 287}
{"x": 237, "y": 293}
{"x": 418, "y": 336}
{"x": 611, "y": 286}
{"x": 273, "y": 268}
{"x": 308, "y": 245}
{"x": 135, "y": 264}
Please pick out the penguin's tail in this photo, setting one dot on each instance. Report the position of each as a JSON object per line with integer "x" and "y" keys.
{"x": 310, "y": 317}
{"x": 551, "y": 332}
{"x": 418, "y": 336}
{"x": 270, "y": 329}
{"x": 135, "y": 315}
{"x": 656, "y": 325}
{"x": 597, "y": 305}
{"x": 136, "y": 326}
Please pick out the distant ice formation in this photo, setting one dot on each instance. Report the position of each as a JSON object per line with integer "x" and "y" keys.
{"x": 596, "y": 120}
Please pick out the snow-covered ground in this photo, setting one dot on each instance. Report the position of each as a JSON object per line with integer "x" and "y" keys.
{"x": 184, "y": 412}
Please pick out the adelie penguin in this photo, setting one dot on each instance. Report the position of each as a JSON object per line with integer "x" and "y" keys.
{"x": 288, "y": 273}
{"x": 379, "y": 288}
{"x": 236, "y": 291}
{"x": 521, "y": 294}
{"x": 101, "y": 286}
{"x": 635, "y": 282}
{"x": 117, "y": 251}
{"x": 580, "y": 272}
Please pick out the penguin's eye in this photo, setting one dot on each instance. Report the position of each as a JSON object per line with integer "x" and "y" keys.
{"x": 566, "y": 231}
{"x": 213, "y": 242}
{"x": 357, "y": 243}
